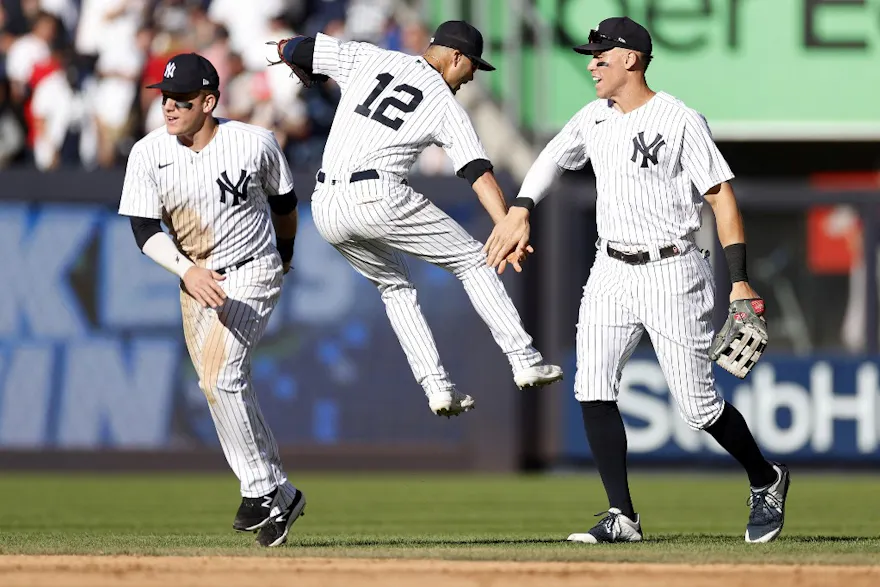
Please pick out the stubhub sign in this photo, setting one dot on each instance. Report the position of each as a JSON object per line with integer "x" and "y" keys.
{"x": 821, "y": 409}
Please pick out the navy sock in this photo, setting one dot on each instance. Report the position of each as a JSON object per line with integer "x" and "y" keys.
{"x": 732, "y": 432}
{"x": 607, "y": 438}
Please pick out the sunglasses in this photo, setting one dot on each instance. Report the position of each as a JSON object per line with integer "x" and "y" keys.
{"x": 597, "y": 37}
{"x": 179, "y": 104}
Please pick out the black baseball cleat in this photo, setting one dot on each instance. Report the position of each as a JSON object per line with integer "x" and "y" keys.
{"x": 767, "y": 506}
{"x": 274, "y": 533}
{"x": 253, "y": 513}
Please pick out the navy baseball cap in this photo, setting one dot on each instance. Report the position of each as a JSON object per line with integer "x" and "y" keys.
{"x": 457, "y": 34}
{"x": 188, "y": 72}
{"x": 618, "y": 31}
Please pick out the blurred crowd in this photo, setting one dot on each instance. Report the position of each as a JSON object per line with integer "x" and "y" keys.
{"x": 72, "y": 72}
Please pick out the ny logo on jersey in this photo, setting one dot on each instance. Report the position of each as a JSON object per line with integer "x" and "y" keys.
{"x": 238, "y": 191}
{"x": 649, "y": 152}
{"x": 169, "y": 69}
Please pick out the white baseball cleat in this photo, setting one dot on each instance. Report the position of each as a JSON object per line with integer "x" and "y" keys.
{"x": 614, "y": 527}
{"x": 537, "y": 376}
{"x": 450, "y": 403}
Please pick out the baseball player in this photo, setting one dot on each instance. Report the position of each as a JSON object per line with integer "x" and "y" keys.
{"x": 394, "y": 105}
{"x": 220, "y": 187}
{"x": 655, "y": 162}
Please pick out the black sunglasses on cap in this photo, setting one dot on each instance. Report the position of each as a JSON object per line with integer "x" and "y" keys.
{"x": 617, "y": 32}
{"x": 597, "y": 37}
{"x": 609, "y": 42}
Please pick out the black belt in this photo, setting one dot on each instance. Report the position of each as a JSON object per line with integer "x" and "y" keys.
{"x": 642, "y": 257}
{"x": 356, "y": 176}
{"x": 238, "y": 265}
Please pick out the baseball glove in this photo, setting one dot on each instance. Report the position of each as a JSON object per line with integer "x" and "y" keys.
{"x": 743, "y": 338}
{"x": 308, "y": 79}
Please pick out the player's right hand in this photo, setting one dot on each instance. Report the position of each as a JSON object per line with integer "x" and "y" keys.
{"x": 202, "y": 285}
{"x": 515, "y": 259}
{"x": 510, "y": 235}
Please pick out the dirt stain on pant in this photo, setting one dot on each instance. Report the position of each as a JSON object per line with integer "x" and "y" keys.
{"x": 205, "y": 337}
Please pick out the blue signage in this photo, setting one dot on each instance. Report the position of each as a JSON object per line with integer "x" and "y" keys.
{"x": 817, "y": 408}
{"x": 92, "y": 352}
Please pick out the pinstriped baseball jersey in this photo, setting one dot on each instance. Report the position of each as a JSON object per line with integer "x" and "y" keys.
{"x": 393, "y": 106}
{"x": 652, "y": 167}
{"x": 214, "y": 202}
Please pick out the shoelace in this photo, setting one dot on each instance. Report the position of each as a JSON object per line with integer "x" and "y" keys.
{"x": 765, "y": 507}
{"x": 607, "y": 523}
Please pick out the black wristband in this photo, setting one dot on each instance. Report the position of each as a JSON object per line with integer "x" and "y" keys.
{"x": 527, "y": 203}
{"x": 736, "y": 262}
{"x": 285, "y": 248}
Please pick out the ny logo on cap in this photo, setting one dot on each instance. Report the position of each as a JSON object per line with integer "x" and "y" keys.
{"x": 169, "y": 69}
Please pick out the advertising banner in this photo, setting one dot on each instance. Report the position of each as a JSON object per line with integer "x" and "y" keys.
{"x": 822, "y": 409}
{"x": 92, "y": 353}
{"x": 757, "y": 69}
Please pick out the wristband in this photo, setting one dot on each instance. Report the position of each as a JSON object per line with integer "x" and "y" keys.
{"x": 285, "y": 248}
{"x": 527, "y": 203}
{"x": 736, "y": 262}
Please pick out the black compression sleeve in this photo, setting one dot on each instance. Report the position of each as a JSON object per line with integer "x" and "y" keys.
{"x": 143, "y": 229}
{"x": 283, "y": 204}
{"x": 475, "y": 170}
{"x": 304, "y": 53}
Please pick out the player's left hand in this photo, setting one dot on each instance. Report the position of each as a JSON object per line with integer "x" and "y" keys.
{"x": 741, "y": 290}
{"x": 510, "y": 235}
{"x": 307, "y": 79}
{"x": 743, "y": 338}
{"x": 286, "y": 267}
{"x": 515, "y": 260}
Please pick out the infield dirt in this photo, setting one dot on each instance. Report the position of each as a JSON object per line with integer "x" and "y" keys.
{"x": 137, "y": 571}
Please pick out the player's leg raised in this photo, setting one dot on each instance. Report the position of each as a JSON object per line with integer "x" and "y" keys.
{"x": 440, "y": 240}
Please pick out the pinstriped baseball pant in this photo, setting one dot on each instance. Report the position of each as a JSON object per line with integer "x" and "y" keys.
{"x": 220, "y": 343}
{"x": 372, "y": 223}
{"x": 673, "y": 300}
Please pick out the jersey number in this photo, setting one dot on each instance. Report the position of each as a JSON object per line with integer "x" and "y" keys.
{"x": 405, "y": 107}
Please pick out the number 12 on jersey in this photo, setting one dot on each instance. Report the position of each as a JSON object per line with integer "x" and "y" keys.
{"x": 379, "y": 114}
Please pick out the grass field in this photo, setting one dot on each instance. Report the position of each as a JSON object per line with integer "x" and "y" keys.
{"x": 831, "y": 519}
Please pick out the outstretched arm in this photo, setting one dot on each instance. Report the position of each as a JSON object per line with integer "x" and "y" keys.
{"x": 511, "y": 234}
{"x": 492, "y": 198}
